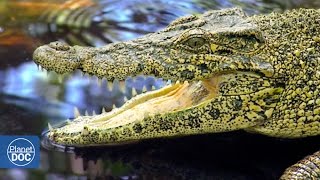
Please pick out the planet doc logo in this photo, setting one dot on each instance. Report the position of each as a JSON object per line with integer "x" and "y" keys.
{"x": 21, "y": 152}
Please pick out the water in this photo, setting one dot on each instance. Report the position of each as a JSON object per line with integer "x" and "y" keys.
{"x": 30, "y": 98}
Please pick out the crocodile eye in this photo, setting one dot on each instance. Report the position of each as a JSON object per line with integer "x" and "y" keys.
{"x": 195, "y": 42}
{"x": 59, "y": 46}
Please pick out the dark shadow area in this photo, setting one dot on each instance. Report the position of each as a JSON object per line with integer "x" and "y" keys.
{"x": 234, "y": 155}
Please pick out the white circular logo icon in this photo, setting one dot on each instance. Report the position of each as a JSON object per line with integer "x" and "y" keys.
{"x": 21, "y": 152}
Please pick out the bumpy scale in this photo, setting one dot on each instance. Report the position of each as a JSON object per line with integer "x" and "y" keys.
{"x": 258, "y": 73}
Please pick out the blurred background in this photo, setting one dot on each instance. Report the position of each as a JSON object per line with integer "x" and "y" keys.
{"x": 30, "y": 98}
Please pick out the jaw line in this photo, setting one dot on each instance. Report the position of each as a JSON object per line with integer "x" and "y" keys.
{"x": 169, "y": 99}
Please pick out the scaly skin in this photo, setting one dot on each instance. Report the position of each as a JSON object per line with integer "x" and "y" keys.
{"x": 258, "y": 73}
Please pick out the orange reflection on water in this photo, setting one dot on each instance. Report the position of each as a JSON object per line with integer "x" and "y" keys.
{"x": 15, "y": 37}
{"x": 17, "y": 13}
{"x": 37, "y": 6}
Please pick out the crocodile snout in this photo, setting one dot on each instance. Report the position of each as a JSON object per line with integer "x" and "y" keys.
{"x": 58, "y": 57}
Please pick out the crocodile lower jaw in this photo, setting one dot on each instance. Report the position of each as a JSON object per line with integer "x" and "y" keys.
{"x": 169, "y": 99}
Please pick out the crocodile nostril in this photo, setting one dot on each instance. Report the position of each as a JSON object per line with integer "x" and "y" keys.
{"x": 60, "y": 46}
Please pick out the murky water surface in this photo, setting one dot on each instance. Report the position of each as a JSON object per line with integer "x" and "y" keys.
{"x": 30, "y": 98}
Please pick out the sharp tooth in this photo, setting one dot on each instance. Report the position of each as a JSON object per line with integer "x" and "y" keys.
{"x": 103, "y": 83}
{"x": 103, "y": 110}
{"x": 122, "y": 86}
{"x": 144, "y": 89}
{"x": 50, "y": 127}
{"x": 86, "y": 113}
{"x": 125, "y": 99}
{"x": 85, "y": 131}
{"x": 60, "y": 78}
{"x": 110, "y": 85}
{"x": 99, "y": 82}
{"x": 178, "y": 82}
{"x": 153, "y": 87}
{"x": 76, "y": 112}
{"x": 168, "y": 82}
{"x": 134, "y": 92}
{"x": 114, "y": 106}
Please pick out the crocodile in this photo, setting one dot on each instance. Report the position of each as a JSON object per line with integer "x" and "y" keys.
{"x": 229, "y": 71}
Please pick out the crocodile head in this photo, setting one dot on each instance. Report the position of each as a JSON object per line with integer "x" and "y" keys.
{"x": 219, "y": 60}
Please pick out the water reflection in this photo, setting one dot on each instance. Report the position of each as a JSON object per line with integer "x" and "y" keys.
{"x": 34, "y": 90}
{"x": 57, "y": 100}
{"x": 29, "y": 98}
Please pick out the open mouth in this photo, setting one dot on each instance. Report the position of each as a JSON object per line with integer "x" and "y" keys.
{"x": 180, "y": 108}
{"x": 215, "y": 102}
{"x": 169, "y": 99}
